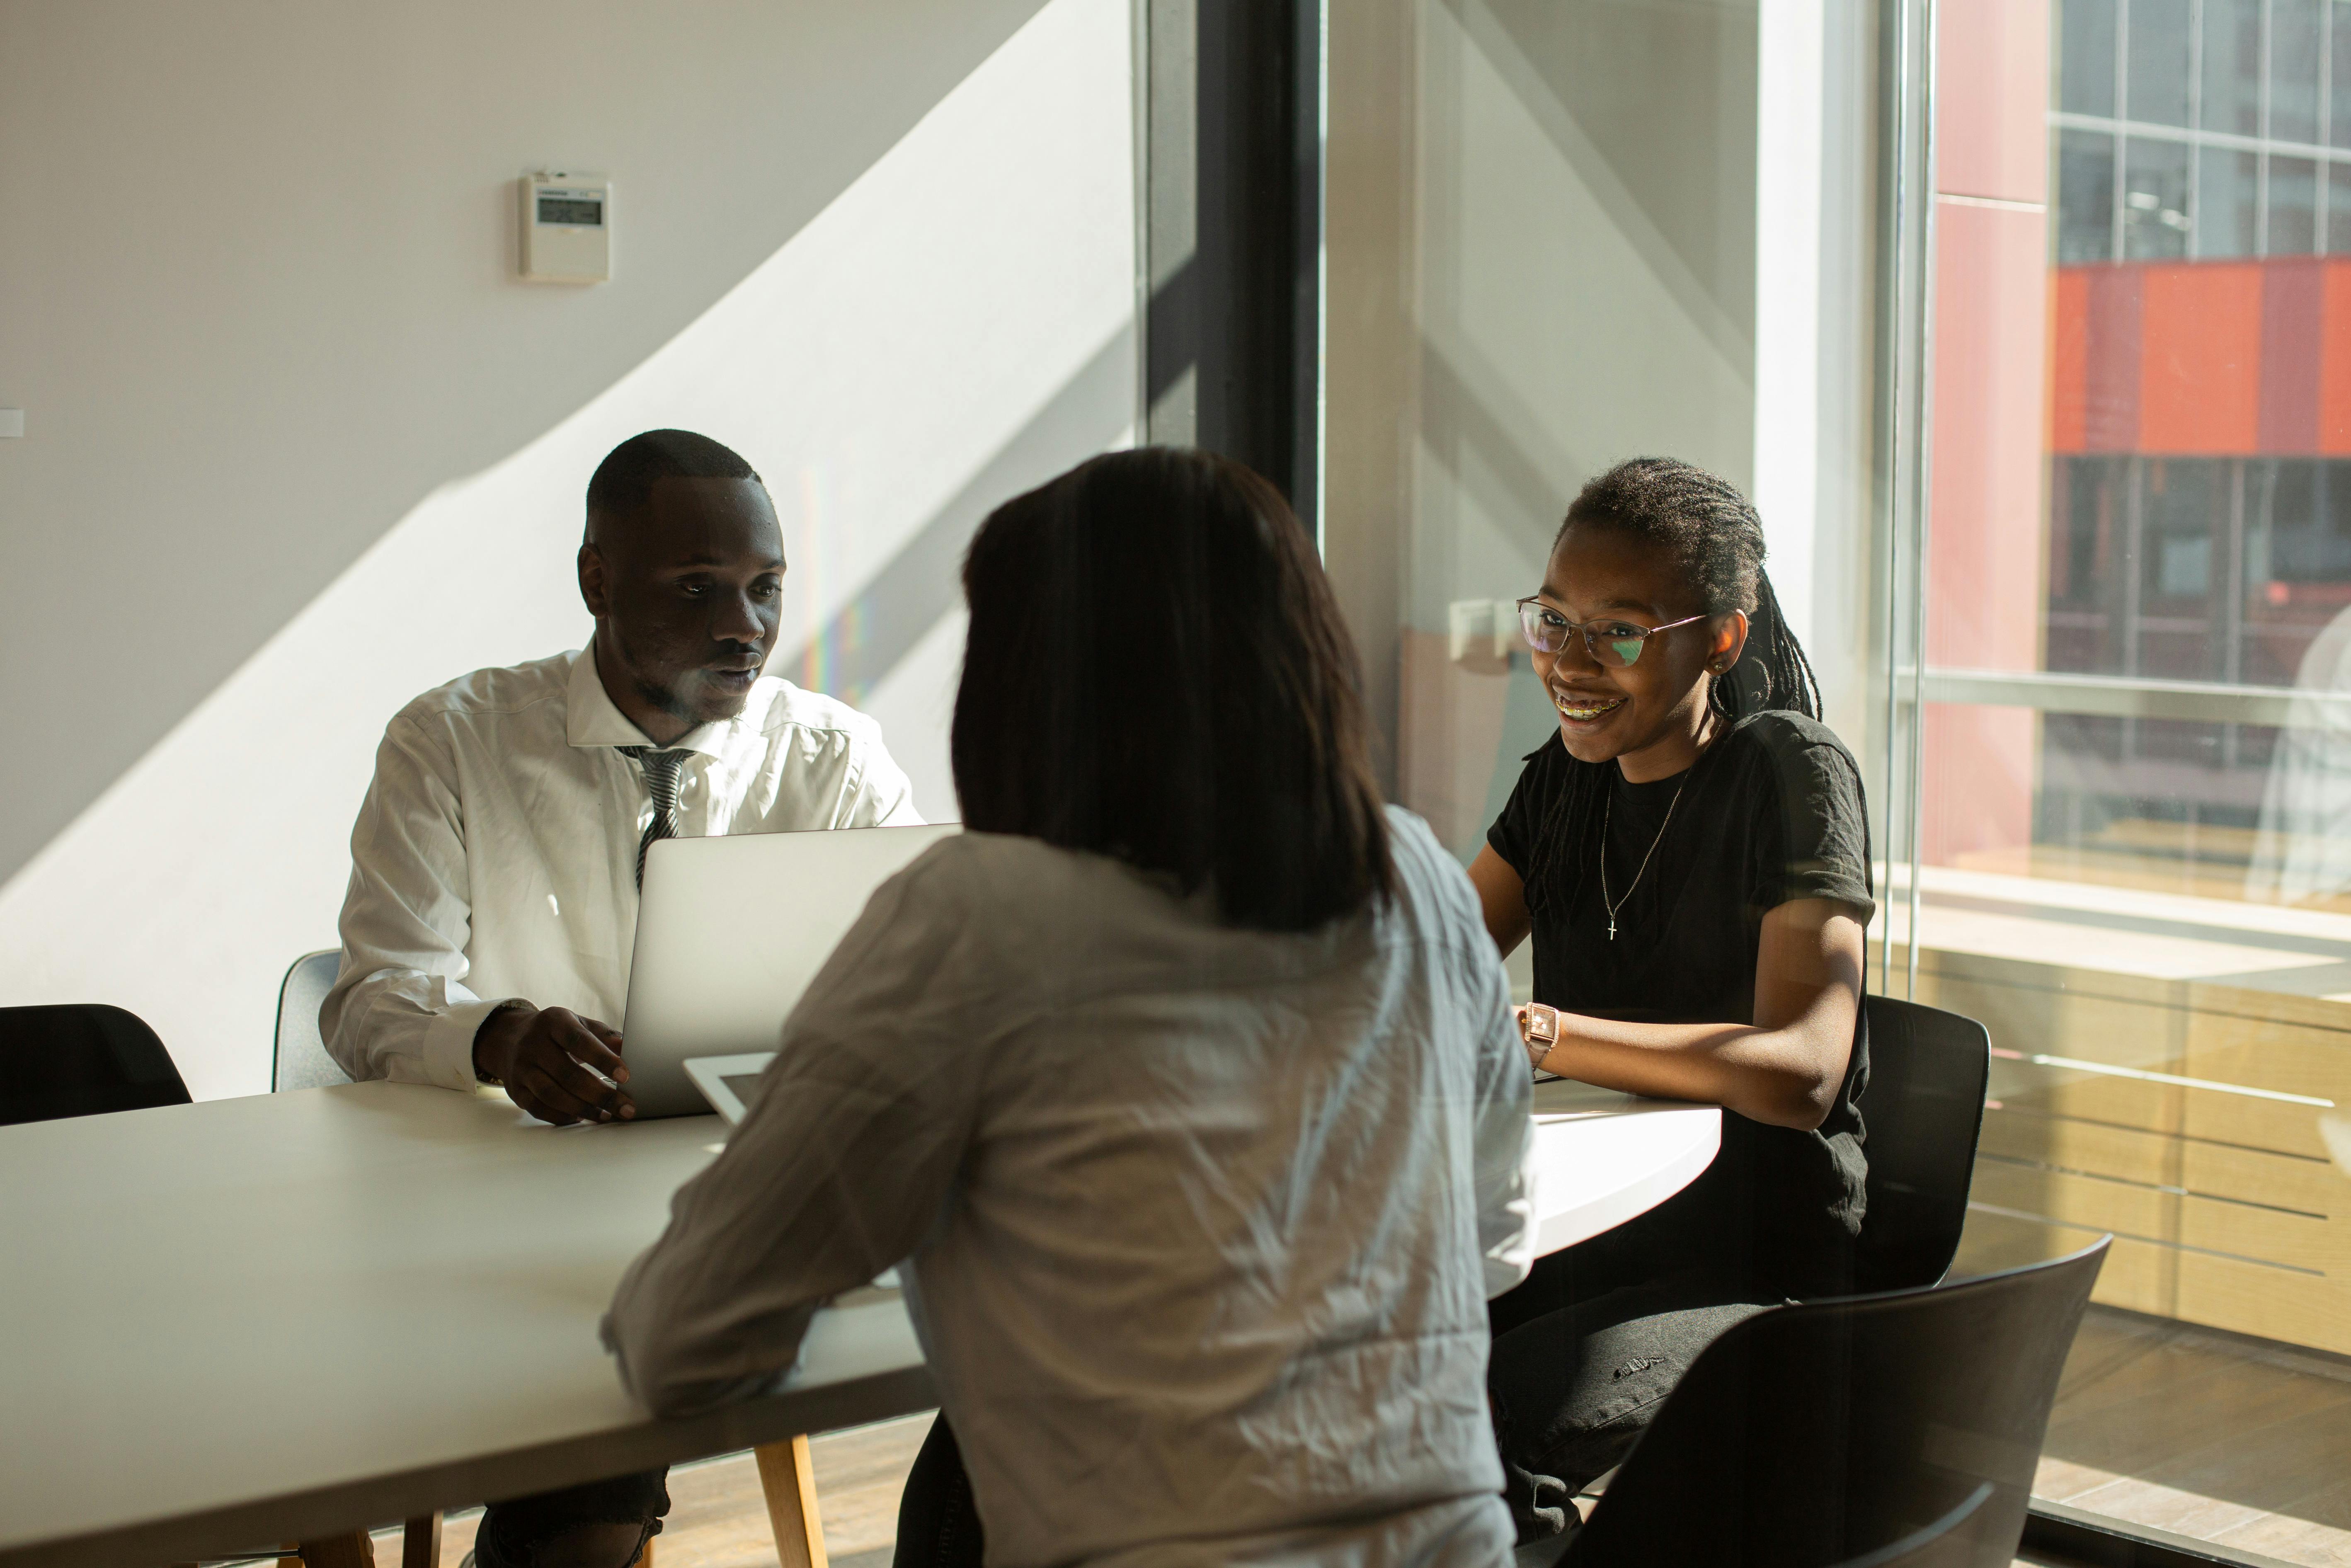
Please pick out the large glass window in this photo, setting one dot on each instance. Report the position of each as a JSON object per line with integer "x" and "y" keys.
{"x": 2129, "y": 847}
{"x": 2068, "y": 537}
{"x": 2217, "y": 114}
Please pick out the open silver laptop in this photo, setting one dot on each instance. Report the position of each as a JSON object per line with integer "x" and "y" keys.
{"x": 730, "y": 931}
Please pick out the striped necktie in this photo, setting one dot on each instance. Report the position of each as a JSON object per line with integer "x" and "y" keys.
{"x": 661, "y": 782}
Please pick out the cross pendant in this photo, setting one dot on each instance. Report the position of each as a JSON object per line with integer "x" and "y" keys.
{"x": 1612, "y": 928}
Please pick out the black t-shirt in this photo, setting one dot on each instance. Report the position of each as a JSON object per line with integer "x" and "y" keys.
{"x": 1771, "y": 811}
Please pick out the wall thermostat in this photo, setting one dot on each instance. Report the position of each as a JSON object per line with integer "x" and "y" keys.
{"x": 567, "y": 228}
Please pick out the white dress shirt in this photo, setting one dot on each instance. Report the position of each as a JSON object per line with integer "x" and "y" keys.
{"x": 1199, "y": 1223}
{"x": 495, "y": 855}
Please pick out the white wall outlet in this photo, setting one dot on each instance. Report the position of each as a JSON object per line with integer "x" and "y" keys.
{"x": 12, "y": 421}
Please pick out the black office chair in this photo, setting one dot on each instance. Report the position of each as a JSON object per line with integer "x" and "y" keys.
{"x": 298, "y": 1058}
{"x": 1923, "y": 1113}
{"x": 1861, "y": 1432}
{"x": 81, "y": 1059}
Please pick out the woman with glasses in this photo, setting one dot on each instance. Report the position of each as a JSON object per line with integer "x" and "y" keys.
{"x": 1183, "y": 1085}
{"x": 1690, "y": 855}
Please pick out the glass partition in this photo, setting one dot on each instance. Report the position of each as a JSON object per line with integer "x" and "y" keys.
{"x": 1567, "y": 233}
{"x": 2131, "y": 853}
{"x": 2028, "y": 325}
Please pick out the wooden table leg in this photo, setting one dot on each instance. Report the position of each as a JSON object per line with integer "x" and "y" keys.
{"x": 352, "y": 1551}
{"x": 789, "y": 1482}
{"x": 645, "y": 1558}
{"x": 420, "y": 1542}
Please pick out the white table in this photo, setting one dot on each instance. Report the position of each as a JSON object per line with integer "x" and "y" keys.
{"x": 1601, "y": 1157}
{"x": 279, "y": 1317}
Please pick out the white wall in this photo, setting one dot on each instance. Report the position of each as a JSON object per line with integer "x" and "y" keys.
{"x": 299, "y": 446}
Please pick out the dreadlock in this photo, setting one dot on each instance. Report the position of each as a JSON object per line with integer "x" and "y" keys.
{"x": 1715, "y": 538}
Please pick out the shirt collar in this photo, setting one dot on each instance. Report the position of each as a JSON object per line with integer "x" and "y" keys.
{"x": 592, "y": 718}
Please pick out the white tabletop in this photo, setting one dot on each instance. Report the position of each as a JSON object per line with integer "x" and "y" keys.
{"x": 1601, "y": 1157}
{"x": 250, "y": 1319}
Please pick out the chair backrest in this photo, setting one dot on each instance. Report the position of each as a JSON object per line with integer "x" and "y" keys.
{"x": 82, "y": 1061}
{"x": 1923, "y": 1113}
{"x": 1858, "y": 1431}
{"x": 299, "y": 1059}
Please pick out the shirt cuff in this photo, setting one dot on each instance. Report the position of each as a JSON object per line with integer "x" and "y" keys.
{"x": 449, "y": 1042}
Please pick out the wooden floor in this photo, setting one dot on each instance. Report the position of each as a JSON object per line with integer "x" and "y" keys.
{"x": 718, "y": 1518}
{"x": 2225, "y": 1439}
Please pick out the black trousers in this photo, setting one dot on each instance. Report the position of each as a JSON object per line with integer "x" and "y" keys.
{"x": 938, "y": 1527}
{"x": 1584, "y": 1353}
{"x": 512, "y": 1531}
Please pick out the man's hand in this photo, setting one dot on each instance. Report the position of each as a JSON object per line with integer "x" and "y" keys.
{"x": 543, "y": 1056}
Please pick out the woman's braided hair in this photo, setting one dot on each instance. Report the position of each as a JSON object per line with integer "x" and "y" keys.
{"x": 1716, "y": 540}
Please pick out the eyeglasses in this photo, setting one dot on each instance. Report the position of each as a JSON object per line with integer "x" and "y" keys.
{"x": 1615, "y": 643}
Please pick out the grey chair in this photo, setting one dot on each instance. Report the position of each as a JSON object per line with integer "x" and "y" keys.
{"x": 299, "y": 1059}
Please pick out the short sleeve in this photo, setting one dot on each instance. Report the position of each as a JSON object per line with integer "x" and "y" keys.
{"x": 1515, "y": 832}
{"x": 1823, "y": 837}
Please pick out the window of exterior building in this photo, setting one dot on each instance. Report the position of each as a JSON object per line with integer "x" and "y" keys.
{"x": 2130, "y": 843}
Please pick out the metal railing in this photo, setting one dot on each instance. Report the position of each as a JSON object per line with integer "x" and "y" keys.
{"x": 2132, "y": 696}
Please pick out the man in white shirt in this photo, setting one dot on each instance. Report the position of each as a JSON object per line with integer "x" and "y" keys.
{"x": 493, "y": 903}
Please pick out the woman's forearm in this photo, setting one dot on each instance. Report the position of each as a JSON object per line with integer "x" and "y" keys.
{"x": 1784, "y": 1068}
{"x": 1781, "y": 1076}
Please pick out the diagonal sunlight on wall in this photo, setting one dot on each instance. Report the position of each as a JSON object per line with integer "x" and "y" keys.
{"x": 922, "y": 326}
{"x": 1559, "y": 332}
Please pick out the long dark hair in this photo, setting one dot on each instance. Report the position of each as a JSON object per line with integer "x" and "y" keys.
{"x": 1156, "y": 670}
{"x": 1715, "y": 538}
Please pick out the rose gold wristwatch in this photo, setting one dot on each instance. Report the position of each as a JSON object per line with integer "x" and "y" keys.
{"x": 1539, "y": 1028}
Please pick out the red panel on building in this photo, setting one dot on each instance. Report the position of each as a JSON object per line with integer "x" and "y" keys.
{"x": 2334, "y": 332}
{"x": 2199, "y": 359}
{"x": 2110, "y": 380}
{"x": 2292, "y": 296}
{"x": 2069, "y": 360}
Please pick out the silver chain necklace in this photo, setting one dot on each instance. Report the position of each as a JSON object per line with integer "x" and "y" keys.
{"x": 1606, "y": 812}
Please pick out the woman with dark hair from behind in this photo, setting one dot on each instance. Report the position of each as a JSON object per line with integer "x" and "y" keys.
{"x": 1690, "y": 856}
{"x": 1182, "y": 1087}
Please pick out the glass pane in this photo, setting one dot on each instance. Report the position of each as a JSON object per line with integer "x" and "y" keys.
{"x": 2232, "y": 67}
{"x": 2292, "y": 207}
{"x": 2160, "y": 34}
{"x": 2295, "y": 54}
{"x": 2155, "y": 199}
{"x": 2087, "y": 532}
{"x": 2086, "y": 57}
{"x": 2133, "y": 846}
{"x": 2228, "y": 204}
{"x": 2339, "y": 74}
{"x": 2085, "y": 196}
{"x": 2184, "y": 505}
